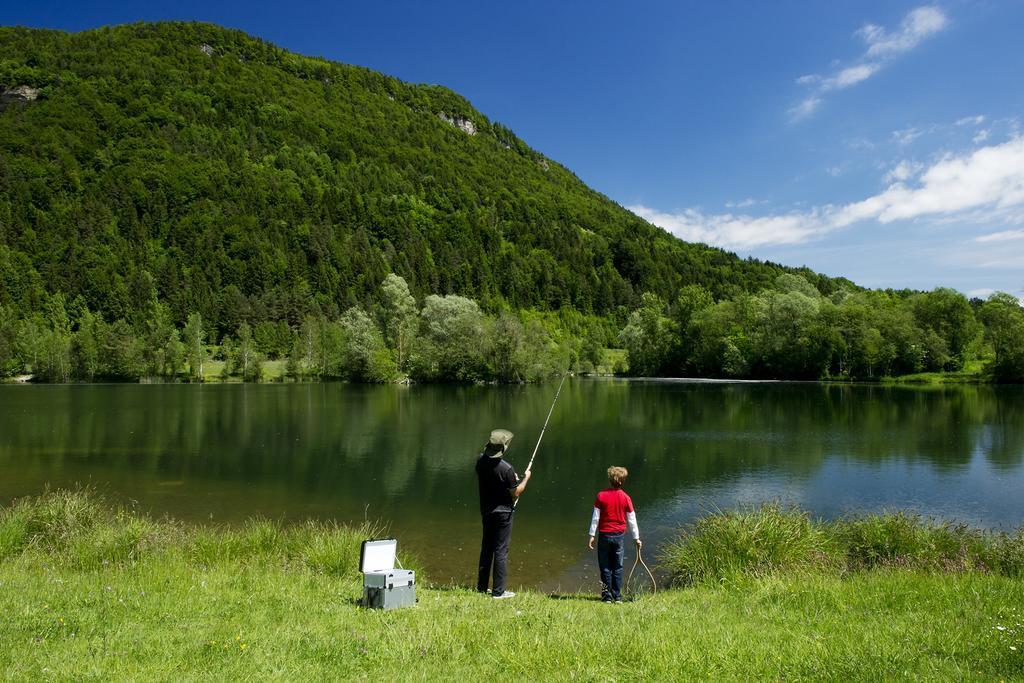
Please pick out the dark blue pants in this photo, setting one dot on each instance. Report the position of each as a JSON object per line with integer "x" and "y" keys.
{"x": 609, "y": 559}
{"x": 494, "y": 551}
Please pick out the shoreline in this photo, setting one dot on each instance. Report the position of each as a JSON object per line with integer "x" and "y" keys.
{"x": 921, "y": 380}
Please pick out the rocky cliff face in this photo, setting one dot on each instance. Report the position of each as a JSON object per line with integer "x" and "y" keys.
{"x": 465, "y": 125}
{"x": 20, "y": 94}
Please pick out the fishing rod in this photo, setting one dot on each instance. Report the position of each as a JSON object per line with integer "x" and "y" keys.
{"x": 543, "y": 429}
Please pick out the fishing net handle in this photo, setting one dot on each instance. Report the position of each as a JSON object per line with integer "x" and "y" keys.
{"x": 640, "y": 560}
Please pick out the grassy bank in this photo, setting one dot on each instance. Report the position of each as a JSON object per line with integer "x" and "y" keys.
{"x": 974, "y": 372}
{"x": 87, "y": 592}
{"x": 735, "y": 545}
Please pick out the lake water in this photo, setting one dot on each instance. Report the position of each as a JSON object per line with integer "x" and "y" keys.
{"x": 404, "y": 455}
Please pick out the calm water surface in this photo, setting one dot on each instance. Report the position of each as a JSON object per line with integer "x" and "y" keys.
{"x": 404, "y": 455}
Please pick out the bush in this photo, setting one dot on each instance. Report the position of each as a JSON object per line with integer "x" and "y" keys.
{"x": 752, "y": 541}
{"x": 902, "y": 539}
{"x": 76, "y": 528}
{"x": 1006, "y": 554}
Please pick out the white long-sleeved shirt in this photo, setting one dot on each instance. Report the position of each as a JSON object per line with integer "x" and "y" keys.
{"x": 630, "y": 522}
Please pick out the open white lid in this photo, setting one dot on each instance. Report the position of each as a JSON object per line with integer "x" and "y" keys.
{"x": 378, "y": 556}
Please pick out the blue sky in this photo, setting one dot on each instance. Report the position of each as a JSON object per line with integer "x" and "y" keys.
{"x": 876, "y": 140}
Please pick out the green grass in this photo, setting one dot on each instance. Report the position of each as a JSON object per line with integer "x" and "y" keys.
{"x": 253, "y": 603}
{"x": 974, "y": 372}
{"x": 273, "y": 371}
{"x": 735, "y": 545}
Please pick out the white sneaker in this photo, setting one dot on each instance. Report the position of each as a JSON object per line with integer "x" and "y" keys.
{"x": 506, "y": 594}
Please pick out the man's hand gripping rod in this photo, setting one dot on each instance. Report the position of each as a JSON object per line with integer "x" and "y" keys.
{"x": 542, "y": 430}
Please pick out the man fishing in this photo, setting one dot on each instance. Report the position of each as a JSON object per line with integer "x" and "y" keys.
{"x": 500, "y": 488}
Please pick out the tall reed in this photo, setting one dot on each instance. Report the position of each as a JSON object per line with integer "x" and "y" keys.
{"x": 78, "y": 529}
{"x": 771, "y": 539}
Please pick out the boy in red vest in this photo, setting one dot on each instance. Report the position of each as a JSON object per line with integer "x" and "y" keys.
{"x": 613, "y": 511}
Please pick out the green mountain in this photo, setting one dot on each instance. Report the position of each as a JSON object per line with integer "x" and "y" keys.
{"x": 226, "y": 176}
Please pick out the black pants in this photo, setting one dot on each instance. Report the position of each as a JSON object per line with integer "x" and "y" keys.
{"x": 494, "y": 551}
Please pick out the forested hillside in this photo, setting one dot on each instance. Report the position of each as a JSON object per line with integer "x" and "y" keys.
{"x": 171, "y": 191}
{"x": 225, "y": 176}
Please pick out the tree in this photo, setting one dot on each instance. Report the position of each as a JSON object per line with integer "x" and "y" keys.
{"x": 174, "y": 354}
{"x": 721, "y": 346}
{"x": 452, "y": 346}
{"x": 55, "y": 346}
{"x": 8, "y": 341}
{"x": 123, "y": 351}
{"x": 790, "y": 282}
{"x": 506, "y": 344}
{"x": 308, "y": 344}
{"x": 874, "y": 353}
{"x": 29, "y": 343}
{"x": 367, "y": 359}
{"x": 228, "y": 350}
{"x": 248, "y": 362}
{"x": 158, "y": 337}
{"x": 85, "y": 346}
{"x": 329, "y": 349}
{"x": 691, "y": 300}
{"x": 539, "y": 356}
{"x": 400, "y": 319}
{"x": 294, "y": 368}
{"x": 1004, "y": 329}
{"x": 783, "y": 333}
{"x": 591, "y": 354}
{"x": 194, "y": 353}
{"x": 648, "y": 336}
{"x": 950, "y": 315}
{"x": 273, "y": 339}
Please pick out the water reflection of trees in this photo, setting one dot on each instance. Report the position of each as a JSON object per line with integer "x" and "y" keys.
{"x": 413, "y": 447}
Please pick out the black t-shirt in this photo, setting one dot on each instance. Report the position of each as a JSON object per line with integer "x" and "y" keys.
{"x": 497, "y": 479}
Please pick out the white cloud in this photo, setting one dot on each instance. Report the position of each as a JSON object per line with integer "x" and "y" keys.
{"x": 990, "y": 176}
{"x": 735, "y": 232}
{"x": 983, "y": 293}
{"x": 860, "y": 144}
{"x": 883, "y": 46}
{"x": 989, "y": 179}
{"x": 1002, "y": 236}
{"x": 971, "y": 120}
{"x": 743, "y": 204}
{"x": 907, "y": 135}
{"x": 1008, "y": 256}
{"x": 902, "y": 172}
{"x": 850, "y": 76}
{"x": 916, "y": 26}
{"x": 805, "y": 108}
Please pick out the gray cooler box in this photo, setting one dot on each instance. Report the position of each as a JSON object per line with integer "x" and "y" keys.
{"x": 385, "y": 587}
